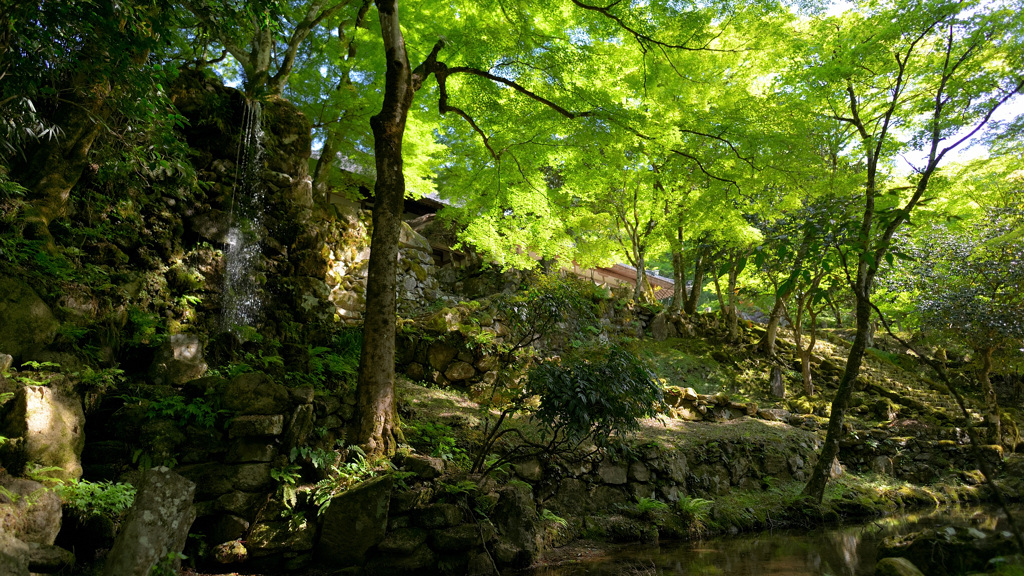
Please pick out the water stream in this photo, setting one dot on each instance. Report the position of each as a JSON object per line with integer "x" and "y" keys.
{"x": 840, "y": 551}
{"x": 241, "y": 300}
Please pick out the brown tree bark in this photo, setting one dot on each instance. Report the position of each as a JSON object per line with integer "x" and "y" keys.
{"x": 377, "y": 430}
{"x": 992, "y": 419}
{"x": 690, "y": 306}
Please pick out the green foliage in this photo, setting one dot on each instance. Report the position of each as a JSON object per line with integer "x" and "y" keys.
{"x": 436, "y": 439}
{"x": 87, "y": 498}
{"x": 694, "y": 510}
{"x": 607, "y": 392}
{"x": 289, "y": 474}
{"x": 647, "y": 507}
{"x": 199, "y": 411}
{"x": 341, "y": 478}
{"x": 334, "y": 367}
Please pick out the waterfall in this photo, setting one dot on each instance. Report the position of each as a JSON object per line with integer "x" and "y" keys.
{"x": 241, "y": 299}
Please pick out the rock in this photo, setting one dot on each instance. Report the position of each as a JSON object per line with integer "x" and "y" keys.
{"x": 403, "y": 541}
{"x": 6, "y": 361}
{"x": 300, "y": 425}
{"x": 515, "y": 517}
{"x": 882, "y": 465}
{"x": 255, "y": 393}
{"x": 404, "y": 501}
{"x": 459, "y": 371}
{"x": 659, "y": 327}
{"x": 439, "y": 355}
{"x": 410, "y": 239}
{"x": 425, "y": 467}
{"x": 896, "y": 567}
{"x": 415, "y": 371}
{"x": 244, "y": 450}
{"x": 256, "y": 425}
{"x": 35, "y": 514}
{"x": 612, "y": 472}
{"x": 487, "y": 363}
{"x": 28, "y": 324}
{"x": 48, "y": 559}
{"x": 156, "y": 525}
{"x": 214, "y": 480}
{"x": 14, "y": 555}
{"x": 178, "y": 360}
{"x": 774, "y": 414}
{"x": 638, "y": 471}
{"x": 239, "y": 503}
{"x": 571, "y": 498}
{"x": 456, "y": 539}
{"x": 283, "y": 535}
{"x": 836, "y": 469}
{"x": 230, "y": 552}
{"x": 439, "y": 516}
{"x": 355, "y": 522}
{"x": 422, "y": 558}
{"x": 530, "y": 470}
{"x": 302, "y": 395}
{"x": 776, "y": 384}
{"x": 228, "y": 527}
{"x": 52, "y": 426}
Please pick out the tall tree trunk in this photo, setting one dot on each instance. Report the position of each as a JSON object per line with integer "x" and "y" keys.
{"x": 992, "y": 419}
{"x": 679, "y": 283}
{"x": 815, "y": 487}
{"x": 698, "y": 284}
{"x": 377, "y": 426}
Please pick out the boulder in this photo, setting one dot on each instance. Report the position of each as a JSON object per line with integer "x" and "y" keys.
{"x": 612, "y": 472}
{"x": 660, "y": 327}
{"x": 459, "y": 371}
{"x": 155, "y": 529}
{"x": 425, "y": 467}
{"x": 440, "y": 355}
{"x": 282, "y": 536}
{"x": 33, "y": 515}
{"x": 255, "y": 393}
{"x": 256, "y": 426}
{"x": 416, "y": 562}
{"x": 355, "y": 522}
{"x": 214, "y": 480}
{"x": 49, "y": 559}
{"x": 230, "y": 552}
{"x": 28, "y": 324}
{"x": 51, "y": 425}
{"x": 896, "y": 567}
{"x": 178, "y": 360}
{"x": 439, "y": 516}
{"x": 14, "y": 556}
{"x": 530, "y": 470}
{"x": 515, "y": 517}
{"x": 455, "y": 539}
{"x": 403, "y": 541}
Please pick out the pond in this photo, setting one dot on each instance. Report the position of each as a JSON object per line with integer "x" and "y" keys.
{"x": 839, "y": 551}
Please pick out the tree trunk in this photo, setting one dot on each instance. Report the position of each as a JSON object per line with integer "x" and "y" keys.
{"x": 992, "y": 420}
{"x": 771, "y": 332}
{"x": 322, "y": 172}
{"x": 734, "y": 328}
{"x": 679, "y": 278}
{"x": 377, "y": 426}
{"x": 698, "y": 284}
{"x": 815, "y": 487}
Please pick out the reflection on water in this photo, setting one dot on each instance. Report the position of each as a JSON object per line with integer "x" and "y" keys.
{"x": 842, "y": 551}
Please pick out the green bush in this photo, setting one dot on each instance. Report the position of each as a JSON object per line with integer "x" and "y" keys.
{"x": 605, "y": 393}
{"x": 89, "y": 499}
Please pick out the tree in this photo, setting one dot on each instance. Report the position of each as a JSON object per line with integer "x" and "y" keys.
{"x": 62, "y": 65}
{"x": 972, "y": 285}
{"x": 264, "y": 37}
{"x": 934, "y": 70}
